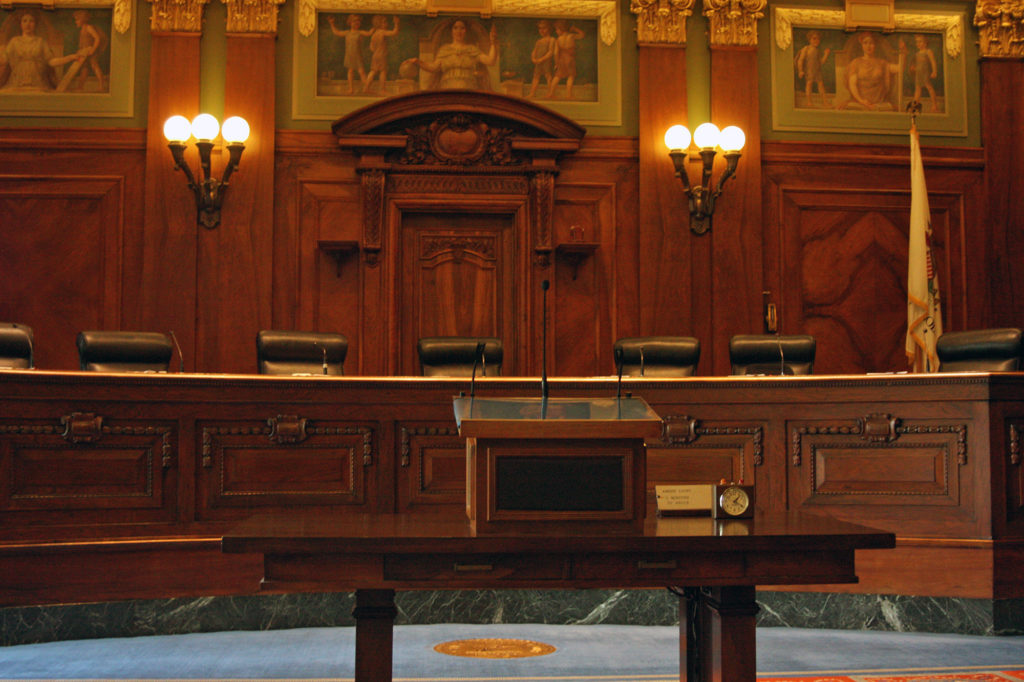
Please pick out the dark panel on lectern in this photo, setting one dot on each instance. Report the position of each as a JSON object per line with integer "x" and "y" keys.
{"x": 559, "y": 483}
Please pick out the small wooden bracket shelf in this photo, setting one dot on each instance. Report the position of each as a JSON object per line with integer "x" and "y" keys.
{"x": 338, "y": 250}
{"x": 575, "y": 253}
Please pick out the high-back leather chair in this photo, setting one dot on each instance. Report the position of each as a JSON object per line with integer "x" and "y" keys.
{"x": 15, "y": 346}
{"x": 658, "y": 356}
{"x": 453, "y": 356}
{"x": 124, "y": 351}
{"x": 980, "y": 350}
{"x": 290, "y": 352}
{"x": 772, "y": 355}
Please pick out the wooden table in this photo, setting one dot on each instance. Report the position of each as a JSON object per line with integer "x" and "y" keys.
{"x": 713, "y": 566}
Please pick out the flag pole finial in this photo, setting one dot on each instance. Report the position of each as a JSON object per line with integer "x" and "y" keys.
{"x": 914, "y": 108}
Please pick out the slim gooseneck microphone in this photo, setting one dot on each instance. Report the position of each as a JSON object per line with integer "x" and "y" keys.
{"x": 545, "y": 285}
{"x": 476, "y": 360}
{"x": 181, "y": 358}
{"x": 323, "y": 349}
{"x": 618, "y": 366}
{"x": 642, "y": 368}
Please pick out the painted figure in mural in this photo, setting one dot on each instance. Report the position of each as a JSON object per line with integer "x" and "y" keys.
{"x": 460, "y": 63}
{"x": 565, "y": 56}
{"x": 924, "y": 69}
{"x": 809, "y": 61}
{"x": 379, "y": 51}
{"x": 28, "y": 60}
{"x": 91, "y": 41}
{"x": 869, "y": 77}
{"x": 353, "y": 47}
{"x": 543, "y": 56}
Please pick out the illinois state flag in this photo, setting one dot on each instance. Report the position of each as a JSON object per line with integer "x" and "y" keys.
{"x": 924, "y": 314}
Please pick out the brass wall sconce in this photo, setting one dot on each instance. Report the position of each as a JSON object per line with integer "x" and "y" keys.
{"x": 706, "y": 137}
{"x": 210, "y": 192}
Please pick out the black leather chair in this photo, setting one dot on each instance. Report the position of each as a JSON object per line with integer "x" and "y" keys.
{"x": 980, "y": 350}
{"x": 453, "y": 356}
{"x": 118, "y": 351}
{"x": 289, "y": 352}
{"x": 772, "y": 355}
{"x": 658, "y": 356}
{"x": 15, "y": 346}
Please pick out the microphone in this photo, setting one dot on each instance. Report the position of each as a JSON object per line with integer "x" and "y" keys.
{"x": 323, "y": 349}
{"x": 641, "y": 360}
{"x": 545, "y": 285}
{"x": 476, "y": 359}
{"x": 181, "y": 358}
{"x": 618, "y": 365}
{"x": 782, "y": 356}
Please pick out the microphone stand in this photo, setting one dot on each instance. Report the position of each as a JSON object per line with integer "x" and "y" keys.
{"x": 323, "y": 350}
{"x": 642, "y": 368}
{"x": 544, "y": 285}
{"x": 181, "y": 358}
{"x": 476, "y": 359}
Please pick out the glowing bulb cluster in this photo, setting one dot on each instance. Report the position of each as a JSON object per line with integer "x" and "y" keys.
{"x": 205, "y": 127}
{"x": 706, "y": 136}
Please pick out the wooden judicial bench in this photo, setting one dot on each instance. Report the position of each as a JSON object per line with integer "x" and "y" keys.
{"x": 117, "y": 486}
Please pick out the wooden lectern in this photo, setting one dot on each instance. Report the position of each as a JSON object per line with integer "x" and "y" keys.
{"x": 556, "y": 464}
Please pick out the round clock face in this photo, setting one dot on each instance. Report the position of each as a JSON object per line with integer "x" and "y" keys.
{"x": 734, "y": 501}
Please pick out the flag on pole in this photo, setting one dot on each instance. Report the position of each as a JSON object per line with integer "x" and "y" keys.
{"x": 924, "y": 313}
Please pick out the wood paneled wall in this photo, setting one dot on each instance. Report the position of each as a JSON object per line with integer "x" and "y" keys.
{"x": 98, "y": 230}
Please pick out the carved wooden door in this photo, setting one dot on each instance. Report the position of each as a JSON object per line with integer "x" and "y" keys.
{"x": 456, "y": 279}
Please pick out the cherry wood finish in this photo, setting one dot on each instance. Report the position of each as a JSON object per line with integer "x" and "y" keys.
{"x": 376, "y": 554}
{"x": 99, "y": 463}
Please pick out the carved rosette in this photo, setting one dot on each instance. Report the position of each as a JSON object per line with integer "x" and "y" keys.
{"x": 661, "y": 22}
{"x": 734, "y": 22}
{"x": 1001, "y": 27}
{"x": 458, "y": 140}
{"x": 183, "y": 16}
{"x": 252, "y": 16}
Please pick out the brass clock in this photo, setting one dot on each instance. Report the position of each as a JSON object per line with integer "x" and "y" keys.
{"x": 733, "y": 501}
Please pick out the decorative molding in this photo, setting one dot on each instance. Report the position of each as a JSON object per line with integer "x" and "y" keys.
{"x": 252, "y": 16}
{"x": 606, "y": 11}
{"x": 876, "y": 428}
{"x": 1014, "y": 445}
{"x": 661, "y": 22}
{"x": 86, "y": 427}
{"x": 406, "y": 435}
{"x": 683, "y": 431}
{"x": 734, "y": 22}
{"x": 285, "y": 430}
{"x": 456, "y": 184}
{"x": 122, "y": 15}
{"x": 458, "y": 245}
{"x": 949, "y": 24}
{"x": 543, "y": 200}
{"x": 373, "y": 181}
{"x": 1001, "y": 28}
{"x": 181, "y": 16}
{"x": 458, "y": 140}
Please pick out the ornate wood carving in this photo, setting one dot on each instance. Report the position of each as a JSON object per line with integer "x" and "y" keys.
{"x": 252, "y": 16}
{"x": 86, "y": 427}
{"x": 407, "y": 434}
{"x": 734, "y": 22}
{"x": 457, "y": 246}
{"x": 286, "y": 430}
{"x": 1001, "y": 28}
{"x": 373, "y": 213}
{"x": 1014, "y": 445}
{"x": 543, "y": 199}
{"x": 459, "y": 140}
{"x": 875, "y": 429}
{"x": 456, "y": 184}
{"x": 661, "y": 22}
{"x": 684, "y": 430}
{"x": 181, "y": 16}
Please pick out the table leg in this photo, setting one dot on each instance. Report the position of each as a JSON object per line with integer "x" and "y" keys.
{"x": 731, "y": 652}
{"x": 375, "y": 619}
{"x": 689, "y": 631}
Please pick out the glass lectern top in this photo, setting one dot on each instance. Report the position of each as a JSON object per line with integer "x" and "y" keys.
{"x": 561, "y": 409}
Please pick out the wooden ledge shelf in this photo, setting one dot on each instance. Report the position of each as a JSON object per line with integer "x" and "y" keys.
{"x": 338, "y": 250}
{"x": 575, "y": 253}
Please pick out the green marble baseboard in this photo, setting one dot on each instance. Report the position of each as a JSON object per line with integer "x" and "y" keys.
{"x": 24, "y": 625}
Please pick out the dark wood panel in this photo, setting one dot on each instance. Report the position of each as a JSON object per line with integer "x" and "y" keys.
{"x": 431, "y": 465}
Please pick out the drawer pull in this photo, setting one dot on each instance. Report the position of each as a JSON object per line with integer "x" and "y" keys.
{"x": 671, "y": 563}
{"x": 472, "y": 568}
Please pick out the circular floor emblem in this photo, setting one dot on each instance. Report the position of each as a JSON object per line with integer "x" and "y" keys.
{"x": 494, "y": 648}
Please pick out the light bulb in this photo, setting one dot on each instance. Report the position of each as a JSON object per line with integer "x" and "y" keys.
{"x": 733, "y": 139}
{"x": 677, "y": 137}
{"x": 706, "y": 136}
{"x": 177, "y": 129}
{"x": 205, "y": 127}
{"x": 235, "y": 129}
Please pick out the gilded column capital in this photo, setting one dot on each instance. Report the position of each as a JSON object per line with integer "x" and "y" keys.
{"x": 182, "y": 16}
{"x": 734, "y": 22}
{"x": 661, "y": 22}
{"x": 252, "y": 16}
{"x": 1001, "y": 28}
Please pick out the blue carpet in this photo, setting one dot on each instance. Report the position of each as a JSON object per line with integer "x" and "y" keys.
{"x": 609, "y": 653}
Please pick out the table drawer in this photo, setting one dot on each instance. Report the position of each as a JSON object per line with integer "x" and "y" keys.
{"x": 657, "y": 568}
{"x": 455, "y": 567}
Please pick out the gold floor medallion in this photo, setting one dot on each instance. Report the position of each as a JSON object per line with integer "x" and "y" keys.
{"x": 494, "y": 648}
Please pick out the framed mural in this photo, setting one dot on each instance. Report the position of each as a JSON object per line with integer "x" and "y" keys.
{"x": 74, "y": 59}
{"x": 826, "y": 79}
{"x": 566, "y": 57}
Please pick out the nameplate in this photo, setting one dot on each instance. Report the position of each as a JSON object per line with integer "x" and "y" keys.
{"x": 683, "y": 500}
